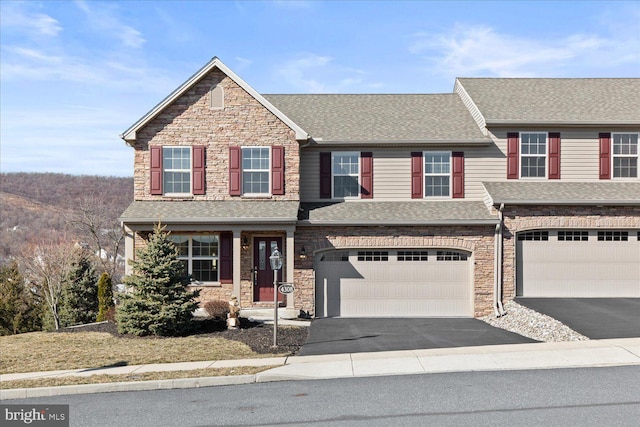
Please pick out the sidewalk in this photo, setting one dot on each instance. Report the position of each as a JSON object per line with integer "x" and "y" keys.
{"x": 574, "y": 354}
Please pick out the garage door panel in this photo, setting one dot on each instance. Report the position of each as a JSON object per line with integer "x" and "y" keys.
{"x": 579, "y": 269}
{"x": 425, "y": 288}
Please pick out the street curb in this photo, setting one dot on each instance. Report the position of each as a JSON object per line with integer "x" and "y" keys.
{"x": 25, "y": 393}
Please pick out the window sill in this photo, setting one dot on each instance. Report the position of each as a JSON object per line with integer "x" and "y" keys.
{"x": 205, "y": 285}
{"x": 177, "y": 196}
{"x": 256, "y": 196}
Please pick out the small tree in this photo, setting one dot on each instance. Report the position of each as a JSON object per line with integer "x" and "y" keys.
{"x": 160, "y": 303}
{"x": 80, "y": 297}
{"x": 105, "y": 297}
{"x": 20, "y": 310}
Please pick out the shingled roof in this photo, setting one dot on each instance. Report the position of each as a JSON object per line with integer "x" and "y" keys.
{"x": 381, "y": 118}
{"x": 561, "y": 101}
{"x": 564, "y": 193}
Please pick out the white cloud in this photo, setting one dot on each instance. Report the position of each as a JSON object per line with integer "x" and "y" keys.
{"x": 18, "y": 16}
{"x": 483, "y": 51}
{"x": 103, "y": 17}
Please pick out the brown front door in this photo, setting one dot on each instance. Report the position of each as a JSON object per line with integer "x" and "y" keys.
{"x": 262, "y": 249}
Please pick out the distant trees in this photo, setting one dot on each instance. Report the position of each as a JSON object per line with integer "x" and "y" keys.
{"x": 160, "y": 303}
{"x": 20, "y": 308}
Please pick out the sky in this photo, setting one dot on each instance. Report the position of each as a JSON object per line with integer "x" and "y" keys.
{"x": 74, "y": 75}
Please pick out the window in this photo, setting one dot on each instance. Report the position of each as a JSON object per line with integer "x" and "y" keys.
{"x": 567, "y": 236}
{"x": 613, "y": 236}
{"x": 533, "y": 155}
{"x": 373, "y": 256}
{"x": 256, "y": 170}
{"x": 176, "y": 170}
{"x": 199, "y": 255}
{"x": 534, "y": 235}
{"x": 339, "y": 256}
{"x": 346, "y": 172}
{"x": 437, "y": 174}
{"x": 413, "y": 256}
{"x": 625, "y": 155}
{"x": 451, "y": 256}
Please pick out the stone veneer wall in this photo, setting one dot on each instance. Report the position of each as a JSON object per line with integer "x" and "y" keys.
{"x": 477, "y": 239}
{"x": 190, "y": 120}
{"x": 541, "y": 217}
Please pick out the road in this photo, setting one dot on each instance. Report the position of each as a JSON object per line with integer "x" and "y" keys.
{"x": 556, "y": 397}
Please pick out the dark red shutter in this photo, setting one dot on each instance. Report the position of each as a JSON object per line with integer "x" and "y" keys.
{"x": 277, "y": 170}
{"x": 512, "y": 155}
{"x": 417, "y": 177}
{"x": 325, "y": 175}
{"x": 605, "y": 155}
{"x": 235, "y": 160}
{"x": 554, "y": 155}
{"x": 457, "y": 174}
{"x": 226, "y": 257}
{"x": 198, "y": 169}
{"x": 156, "y": 170}
{"x": 366, "y": 175}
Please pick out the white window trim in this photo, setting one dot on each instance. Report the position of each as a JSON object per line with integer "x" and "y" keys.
{"x": 333, "y": 174}
{"x": 637, "y": 156}
{"x": 243, "y": 170}
{"x": 546, "y": 156}
{"x": 425, "y": 174}
{"x": 190, "y": 171}
{"x": 190, "y": 258}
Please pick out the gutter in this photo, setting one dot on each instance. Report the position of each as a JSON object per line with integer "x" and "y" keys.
{"x": 458, "y": 142}
{"x": 382, "y": 223}
{"x": 497, "y": 272}
{"x": 569, "y": 202}
{"x": 499, "y": 122}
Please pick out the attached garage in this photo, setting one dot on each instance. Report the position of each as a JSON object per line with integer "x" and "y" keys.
{"x": 394, "y": 283}
{"x": 578, "y": 263}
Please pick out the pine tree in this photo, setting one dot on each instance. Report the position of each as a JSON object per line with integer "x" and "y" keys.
{"x": 80, "y": 296}
{"x": 105, "y": 297}
{"x": 160, "y": 303}
{"x": 20, "y": 309}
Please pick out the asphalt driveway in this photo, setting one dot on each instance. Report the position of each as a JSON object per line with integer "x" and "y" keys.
{"x": 346, "y": 335}
{"x": 595, "y": 318}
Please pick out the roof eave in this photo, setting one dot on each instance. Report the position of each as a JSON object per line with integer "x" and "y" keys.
{"x": 396, "y": 142}
{"x": 129, "y": 135}
{"x": 507, "y": 122}
{"x": 497, "y": 202}
{"x": 318, "y": 223}
{"x": 209, "y": 220}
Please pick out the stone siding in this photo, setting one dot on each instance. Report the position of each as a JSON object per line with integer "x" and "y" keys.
{"x": 190, "y": 120}
{"x": 524, "y": 218}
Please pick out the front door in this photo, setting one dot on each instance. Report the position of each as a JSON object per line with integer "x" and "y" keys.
{"x": 263, "y": 247}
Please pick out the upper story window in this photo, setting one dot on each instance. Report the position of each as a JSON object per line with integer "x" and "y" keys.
{"x": 256, "y": 167}
{"x": 346, "y": 173}
{"x": 437, "y": 174}
{"x": 176, "y": 170}
{"x": 533, "y": 154}
{"x": 625, "y": 155}
{"x": 199, "y": 255}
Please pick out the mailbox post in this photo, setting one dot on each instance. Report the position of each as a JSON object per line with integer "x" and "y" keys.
{"x": 276, "y": 264}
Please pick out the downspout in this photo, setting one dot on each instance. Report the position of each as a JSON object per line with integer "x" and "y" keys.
{"x": 500, "y": 260}
{"x": 496, "y": 269}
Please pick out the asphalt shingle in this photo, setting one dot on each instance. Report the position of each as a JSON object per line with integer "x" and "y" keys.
{"x": 623, "y": 193}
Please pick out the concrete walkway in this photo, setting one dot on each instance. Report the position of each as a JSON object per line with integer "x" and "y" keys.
{"x": 575, "y": 354}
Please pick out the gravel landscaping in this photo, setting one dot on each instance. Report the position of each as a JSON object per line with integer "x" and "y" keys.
{"x": 531, "y": 324}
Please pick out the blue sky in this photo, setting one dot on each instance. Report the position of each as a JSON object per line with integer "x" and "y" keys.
{"x": 75, "y": 74}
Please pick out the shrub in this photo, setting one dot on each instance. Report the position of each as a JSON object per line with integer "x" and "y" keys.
{"x": 105, "y": 299}
{"x": 79, "y": 302}
{"x": 217, "y": 309}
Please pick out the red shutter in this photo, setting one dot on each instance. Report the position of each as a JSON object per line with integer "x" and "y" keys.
{"x": 226, "y": 257}
{"x": 554, "y": 156}
{"x": 277, "y": 170}
{"x": 605, "y": 156}
{"x": 325, "y": 175}
{"x": 366, "y": 175}
{"x": 235, "y": 159}
{"x": 198, "y": 169}
{"x": 513, "y": 141}
{"x": 156, "y": 170}
{"x": 417, "y": 177}
{"x": 457, "y": 174}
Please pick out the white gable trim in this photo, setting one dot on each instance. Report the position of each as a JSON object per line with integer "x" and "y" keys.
{"x": 130, "y": 134}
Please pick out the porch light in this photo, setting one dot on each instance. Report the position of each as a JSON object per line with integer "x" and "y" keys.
{"x": 276, "y": 259}
{"x": 245, "y": 243}
{"x": 303, "y": 253}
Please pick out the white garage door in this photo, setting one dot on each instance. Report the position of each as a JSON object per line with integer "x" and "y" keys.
{"x": 578, "y": 263}
{"x": 394, "y": 283}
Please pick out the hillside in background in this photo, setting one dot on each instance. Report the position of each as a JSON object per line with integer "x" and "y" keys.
{"x": 37, "y": 206}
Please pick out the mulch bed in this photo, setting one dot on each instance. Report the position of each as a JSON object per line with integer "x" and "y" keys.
{"x": 258, "y": 336}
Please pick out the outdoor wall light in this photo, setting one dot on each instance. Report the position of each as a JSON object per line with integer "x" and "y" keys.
{"x": 245, "y": 243}
{"x": 303, "y": 253}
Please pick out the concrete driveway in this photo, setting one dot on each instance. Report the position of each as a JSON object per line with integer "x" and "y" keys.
{"x": 346, "y": 335}
{"x": 596, "y": 318}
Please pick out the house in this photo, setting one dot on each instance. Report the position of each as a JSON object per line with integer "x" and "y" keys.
{"x": 395, "y": 205}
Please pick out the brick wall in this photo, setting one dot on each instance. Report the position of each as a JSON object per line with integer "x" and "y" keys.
{"x": 477, "y": 239}
{"x": 523, "y": 218}
{"x": 190, "y": 120}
